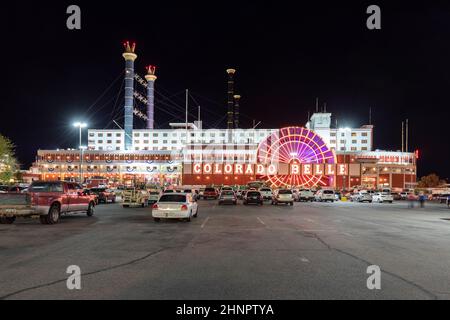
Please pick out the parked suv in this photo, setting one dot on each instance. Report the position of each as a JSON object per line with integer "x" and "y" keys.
{"x": 227, "y": 196}
{"x": 325, "y": 195}
{"x": 283, "y": 196}
{"x": 266, "y": 193}
{"x": 305, "y": 195}
{"x": 253, "y": 197}
{"x": 382, "y": 197}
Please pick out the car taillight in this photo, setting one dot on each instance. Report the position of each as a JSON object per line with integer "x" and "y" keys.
{"x": 184, "y": 207}
{"x": 155, "y": 207}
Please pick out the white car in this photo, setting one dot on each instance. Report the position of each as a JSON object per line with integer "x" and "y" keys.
{"x": 362, "y": 196}
{"x": 283, "y": 196}
{"x": 175, "y": 206}
{"x": 325, "y": 195}
{"x": 305, "y": 195}
{"x": 154, "y": 196}
{"x": 382, "y": 197}
{"x": 266, "y": 193}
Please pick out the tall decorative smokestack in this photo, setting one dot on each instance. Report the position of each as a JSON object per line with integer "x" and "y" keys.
{"x": 151, "y": 78}
{"x": 236, "y": 111}
{"x": 230, "y": 120}
{"x": 129, "y": 57}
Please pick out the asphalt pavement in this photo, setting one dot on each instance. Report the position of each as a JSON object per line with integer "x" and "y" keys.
{"x": 308, "y": 251}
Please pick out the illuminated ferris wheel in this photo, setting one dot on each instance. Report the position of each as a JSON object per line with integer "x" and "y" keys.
{"x": 295, "y": 145}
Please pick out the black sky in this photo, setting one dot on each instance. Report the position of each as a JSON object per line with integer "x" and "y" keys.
{"x": 285, "y": 54}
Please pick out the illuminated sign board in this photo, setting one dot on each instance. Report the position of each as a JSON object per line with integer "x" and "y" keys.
{"x": 306, "y": 169}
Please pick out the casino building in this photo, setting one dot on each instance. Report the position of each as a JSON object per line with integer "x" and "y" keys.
{"x": 310, "y": 155}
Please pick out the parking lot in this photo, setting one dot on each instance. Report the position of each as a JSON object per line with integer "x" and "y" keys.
{"x": 308, "y": 251}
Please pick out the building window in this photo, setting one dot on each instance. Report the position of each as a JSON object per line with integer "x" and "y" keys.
{"x": 118, "y": 135}
{"x": 354, "y": 148}
{"x": 155, "y": 135}
{"x": 145, "y": 135}
{"x": 117, "y": 141}
{"x": 363, "y": 141}
{"x": 109, "y": 142}
{"x": 109, "y": 135}
{"x": 155, "y": 141}
{"x": 174, "y": 141}
{"x": 354, "y": 141}
{"x": 342, "y": 149}
{"x": 332, "y": 141}
{"x": 164, "y": 134}
{"x": 117, "y": 148}
{"x": 91, "y": 134}
{"x": 364, "y": 148}
{"x": 342, "y": 141}
{"x": 136, "y": 141}
{"x": 99, "y": 141}
{"x": 136, "y": 134}
{"x": 164, "y": 141}
{"x": 333, "y": 134}
{"x": 364, "y": 134}
{"x": 146, "y": 141}
{"x": 136, "y": 148}
{"x": 353, "y": 134}
{"x": 100, "y": 134}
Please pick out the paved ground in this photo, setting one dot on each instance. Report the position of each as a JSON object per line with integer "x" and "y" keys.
{"x": 309, "y": 251}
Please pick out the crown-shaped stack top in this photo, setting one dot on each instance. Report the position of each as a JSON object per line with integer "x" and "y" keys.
{"x": 151, "y": 70}
{"x": 129, "y": 48}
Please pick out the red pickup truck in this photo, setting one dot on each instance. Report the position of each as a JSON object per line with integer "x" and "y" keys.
{"x": 46, "y": 199}
{"x": 210, "y": 193}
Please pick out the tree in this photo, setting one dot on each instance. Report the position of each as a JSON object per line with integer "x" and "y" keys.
{"x": 430, "y": 181}
{"x": 8, "y": 162}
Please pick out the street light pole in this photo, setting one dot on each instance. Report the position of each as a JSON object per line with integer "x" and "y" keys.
{"x": 80, "y": 125}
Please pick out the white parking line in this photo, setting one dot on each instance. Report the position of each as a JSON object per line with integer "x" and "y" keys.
{"x": 204, "y": 222}
{"x": 303, "y": 259}
{"x": 262, "y": 222}
{"x": 347, "y": 234}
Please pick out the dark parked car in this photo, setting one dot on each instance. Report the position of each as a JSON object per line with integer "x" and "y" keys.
{"x": 443, "y": 198}
{"x": 396, "y": 196}
{"x": 104, "y": 195}
{"x": 253, "y": 197}
{"x": 243, "y": 193}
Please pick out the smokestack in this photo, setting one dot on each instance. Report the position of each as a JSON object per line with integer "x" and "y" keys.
{"x": 151, "y": 78}
{"x": 236, "y": 111}
{"x": 129, "y": 57}
{"x": 230, "y": 120}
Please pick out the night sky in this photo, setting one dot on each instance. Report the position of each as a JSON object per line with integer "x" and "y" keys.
{"x": 285, "y": 57}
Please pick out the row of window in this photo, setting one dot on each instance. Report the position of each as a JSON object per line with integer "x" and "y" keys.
{"x": 353, "y": 149}
{"x": 332, "y": 142}
{"x": 177, "y": 134}
{"x": 353, "y": 134}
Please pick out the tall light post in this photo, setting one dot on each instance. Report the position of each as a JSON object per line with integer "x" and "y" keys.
{"x": 82, "y": 148}
{"x": 344, "y": 131}
{"x": 81, "y": 125}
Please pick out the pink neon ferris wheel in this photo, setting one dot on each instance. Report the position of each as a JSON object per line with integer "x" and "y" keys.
{"x": 295, "y": 145}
